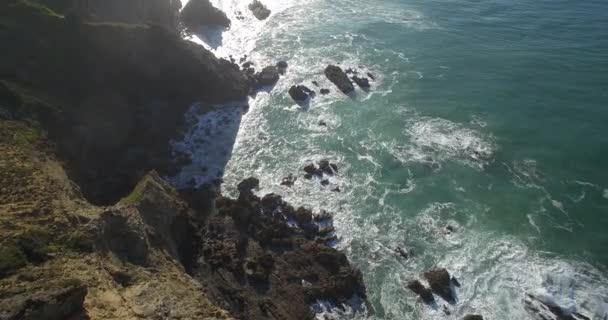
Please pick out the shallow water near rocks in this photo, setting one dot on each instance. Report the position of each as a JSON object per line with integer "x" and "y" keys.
{"x": 490, "y": 117}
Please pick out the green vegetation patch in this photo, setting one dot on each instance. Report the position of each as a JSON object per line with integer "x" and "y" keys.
{"x": 11, "y": 259}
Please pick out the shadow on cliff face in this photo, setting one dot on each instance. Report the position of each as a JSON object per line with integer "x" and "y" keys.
{"x": 110, "y": 95}
{"x": 206, "y": 146}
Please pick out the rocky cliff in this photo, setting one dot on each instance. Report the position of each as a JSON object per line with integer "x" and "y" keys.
{"x": 88, "y": 228}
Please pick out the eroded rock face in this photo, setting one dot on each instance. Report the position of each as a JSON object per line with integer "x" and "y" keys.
{"x": 339, "y": 78}
{"x": 259, "y": 267}
{"x": 60, "y": 300}
{"x": 198, "y": 13}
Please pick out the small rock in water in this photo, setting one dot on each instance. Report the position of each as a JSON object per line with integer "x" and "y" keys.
{"x": 322, "y": 123}
{"x": 455, "y": 282}
{"x": 472, "y": 317}
{"x": 324, "y": 91}
{"x": 371, "y": 76}
{"x": 336, "y": 189}
{"x": 315, "y": 83}
{"x": 401, "y": 252}
{"x": 324, "y": 182}
{"x": 259, "y": 10}
{"x": 289, "y": 180}
{"x": 300, "y": 93}
{"x": 339, "y": 78}
{"x": 446, "y": 310}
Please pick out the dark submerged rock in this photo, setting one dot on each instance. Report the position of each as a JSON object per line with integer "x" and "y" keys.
{"x": 402, "y": 253}
{"x": 418, "y": 288}
{"x": 440, "y": 280}
{"x": 362, "y": 82}
{"x": 339, "y": 78}
{"x": 324, "y": 91}
{"x": 371, "y": 76}
{"x": 472, "y": 317}
{"x": 259, "y": 10}
{"x": 199, "y": 13}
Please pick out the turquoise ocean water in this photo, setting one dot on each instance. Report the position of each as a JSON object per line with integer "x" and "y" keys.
{"x": 488, "y": 116}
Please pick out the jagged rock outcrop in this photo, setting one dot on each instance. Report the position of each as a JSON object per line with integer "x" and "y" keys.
{"x": 198, "y": 13}
{"x": 259, "y": 267}
{"x": 339, "y": 78}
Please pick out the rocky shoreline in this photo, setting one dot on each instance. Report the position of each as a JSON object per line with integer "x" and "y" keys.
{"x": 91, "y": 92}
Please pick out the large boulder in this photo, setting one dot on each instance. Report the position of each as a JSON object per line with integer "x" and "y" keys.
{"x": 259, "y": 10}
{"x": 440, "y": 282}
{"x": 339, "y": 78}
{"x": 199, "y": 13}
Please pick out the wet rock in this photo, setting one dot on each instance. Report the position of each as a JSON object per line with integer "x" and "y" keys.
{"x": 324, "y": 91}
{"x": 455, "y": 282}
{"x": 336, "y": 189}
{"x": 418, "y": 288}
{"x": 312, "y": 170}
{"x": 327, "y": 167}
{"x": 289, "y": 180}
{"x": 299, "y": 93}
{"x": 282, "y": 65}
{"x": 371, "y": 76}
{"x": 268, "y": 76}
{"x": 322, "y": 123}
{"x": 402, "y": 253}
{"x": 449, "y": 228}
{"x": 303, "y": 216}
{"x": 324, "y": 182}
{"x": 362, "y": 82}
{"x": 199, "y": 13}
{"x": 472, "y": 317}
{"x": 265, "y": 264}
{"x": 439, "y": 280}
{"x": 322, "y": 216}
{"x": 315, "y": 83}
{"x": 248, "y": 184}
{"x": 247, "y": 65}
{"x": 339, "y": 78}
{"x": 259, "y": 10}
